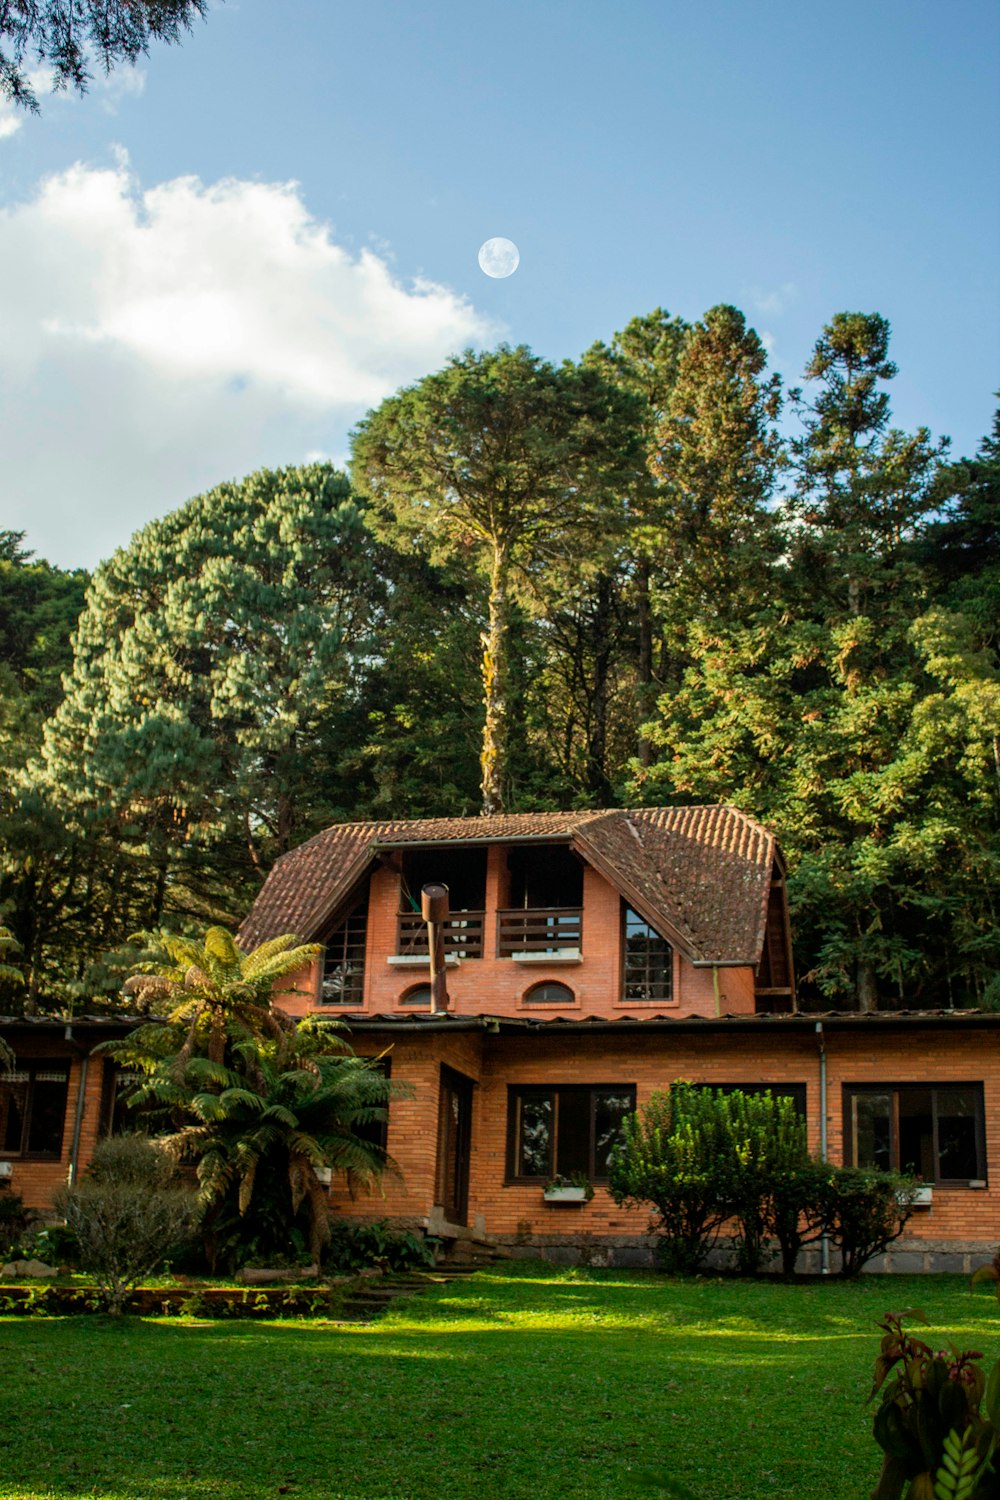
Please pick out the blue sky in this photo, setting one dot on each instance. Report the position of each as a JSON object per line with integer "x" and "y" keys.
{"x": 223, "y": 258}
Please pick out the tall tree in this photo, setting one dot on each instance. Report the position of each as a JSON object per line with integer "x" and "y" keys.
{"x": 863, "y": 489}
{"x": 503, "y": 459}
{"x": 214, "y": 662}
{"x": 717, "y": 456}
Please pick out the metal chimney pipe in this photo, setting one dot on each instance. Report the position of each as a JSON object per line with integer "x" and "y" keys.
{"x": 434, "y": 910}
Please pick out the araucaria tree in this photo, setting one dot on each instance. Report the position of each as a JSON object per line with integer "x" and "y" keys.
{"x": 505, "y": 460}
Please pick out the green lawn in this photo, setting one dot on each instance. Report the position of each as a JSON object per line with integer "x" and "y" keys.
{"x": 525, "y": 1383}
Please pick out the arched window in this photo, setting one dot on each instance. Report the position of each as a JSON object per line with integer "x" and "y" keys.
{"x": 420, "y": 995}
{"x": 549, "y": 992}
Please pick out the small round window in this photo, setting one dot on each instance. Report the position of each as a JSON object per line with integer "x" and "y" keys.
{"x": 419, "y": 995}
{"x": 550, "y": 992}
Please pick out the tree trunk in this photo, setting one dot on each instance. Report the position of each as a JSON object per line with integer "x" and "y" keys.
{"x": 645, "y": 658}
{"x": 494, "y": 756}
{"x": 867, "y": 991}
{"x": 598, "y": 782}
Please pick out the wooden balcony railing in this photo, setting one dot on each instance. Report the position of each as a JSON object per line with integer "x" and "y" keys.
{"x": 463, "y": 935}
{"x": 527, "y": 930}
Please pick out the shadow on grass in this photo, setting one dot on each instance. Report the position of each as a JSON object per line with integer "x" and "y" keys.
{"x": 572, "y": 1386}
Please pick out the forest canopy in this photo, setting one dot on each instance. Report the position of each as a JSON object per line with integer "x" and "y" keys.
{"x": 650, "y": 576}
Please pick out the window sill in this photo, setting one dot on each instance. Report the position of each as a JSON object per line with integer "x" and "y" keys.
{"x": 419, "y": 961}
{"x": 554, "y": 956}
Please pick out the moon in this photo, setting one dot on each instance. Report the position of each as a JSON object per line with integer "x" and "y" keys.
{"x": 499, "y": 257}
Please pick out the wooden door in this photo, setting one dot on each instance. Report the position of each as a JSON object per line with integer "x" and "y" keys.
{"x": 454, "y": 1139}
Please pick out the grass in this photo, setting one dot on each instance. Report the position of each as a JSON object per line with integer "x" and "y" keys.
{"x": 526, "y": 1383}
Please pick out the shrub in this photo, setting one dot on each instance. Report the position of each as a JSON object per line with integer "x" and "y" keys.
{"x": 863, "y": 1213}
{"x": 702, "y": 1158}
{"x": 675, "y": 1155}
{"x": 355, "y": 1247}
{"x": 125, "y": 1212}
{"x": 13, "y": 1219}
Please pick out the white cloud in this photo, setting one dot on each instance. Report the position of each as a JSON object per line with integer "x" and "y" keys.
{"x": 776, "y": 301}
{"x": 159, "y": 340}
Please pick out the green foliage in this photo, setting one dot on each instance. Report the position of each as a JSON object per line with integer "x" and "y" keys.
{"x": 702, "y": 1157}
{"x": 125, "y": 1211}
{"x": 502, "y": 461}
{"x": 258, "y": 1103}
{"x": 13, "y": 1219}
{"x": 354, "y": 1246}
{"x": 68, "y": 38}
{"x": 937, "y": 1422}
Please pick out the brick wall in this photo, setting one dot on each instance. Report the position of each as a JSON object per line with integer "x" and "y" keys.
{"x": 497, "y": 986}
{"x": 652, "y": 1062}
{"x": 38, "y": 1180}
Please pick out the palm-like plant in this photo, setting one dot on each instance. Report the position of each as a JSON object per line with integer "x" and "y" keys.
{"x": 213, "y": 984}
{"x": 260, "y": 1105}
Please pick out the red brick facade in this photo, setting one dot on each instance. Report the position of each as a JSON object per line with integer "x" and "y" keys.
{"x": 712, "y": 1028}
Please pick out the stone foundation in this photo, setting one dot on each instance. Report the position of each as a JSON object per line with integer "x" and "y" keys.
{"x": 635, "y": 1252}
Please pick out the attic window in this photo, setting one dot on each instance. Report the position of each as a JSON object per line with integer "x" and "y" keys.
{"x": 648, "y": 963}
{"x": 344, "y": 960}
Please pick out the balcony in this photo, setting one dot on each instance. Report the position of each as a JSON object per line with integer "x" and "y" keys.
{"x": 539, "y": 935}
{"x": 463, "y": 936}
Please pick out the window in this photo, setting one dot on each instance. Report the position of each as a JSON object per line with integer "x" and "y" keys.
{"x": 33, "y": 1109}
{"x": 419, "y": 995}
{"x": 648, "y": 968}
{"x": 934, "y": 1132}
{"x": 565, "y": 1129}
{"x": 550, "y": 992}
{"x": 344, "y": 960}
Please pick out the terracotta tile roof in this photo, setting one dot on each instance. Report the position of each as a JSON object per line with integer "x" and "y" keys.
{"x": 700, "y": 875}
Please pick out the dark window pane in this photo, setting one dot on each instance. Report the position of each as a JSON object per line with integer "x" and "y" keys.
{"x": 420, "y": 995}
{"x": 609, "y": 1112}
{"x": 550, "y": 993}
{"x": 957, "y": 1112}
{"x": 344, "y": 961}
{"x": 649, "y": 961}
{"x": 916, "y": 1133}
{"x": 13, "y": 1109}
{"x": 48, "y": 1112}
{"x": 871, "y": 1122}
{"x": 573, "y": 1126}
{"x": 534, "y": 1146}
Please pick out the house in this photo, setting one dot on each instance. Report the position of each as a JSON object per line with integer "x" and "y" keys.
{"x": 590, "y": 959}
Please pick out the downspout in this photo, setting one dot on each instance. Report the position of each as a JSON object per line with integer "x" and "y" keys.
{"x": 81, "y": 1094}
{"x": 824, "y": 1243}
{"x": 715, "y": 991}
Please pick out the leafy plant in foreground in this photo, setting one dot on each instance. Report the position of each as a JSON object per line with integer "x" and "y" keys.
{"x": 938, "y": 1420}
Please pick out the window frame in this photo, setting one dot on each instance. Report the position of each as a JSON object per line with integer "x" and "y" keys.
{"x": 356, "y": 918}
{"x": 624, "y": 999}
{"x": 571, "y": 1002}
{"x": 516, "y": 1093}
{"x": 33, "y": 1068}
{"x": 851, "y": 1091}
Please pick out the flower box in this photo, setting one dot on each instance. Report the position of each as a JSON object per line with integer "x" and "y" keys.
{"x": 921, "y": 1196}
{"x": 565, "y": 1195}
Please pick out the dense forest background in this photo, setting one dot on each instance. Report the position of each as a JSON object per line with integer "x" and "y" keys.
{"x": 618, "y": 581}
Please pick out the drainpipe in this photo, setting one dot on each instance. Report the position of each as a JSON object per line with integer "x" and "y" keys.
{"x": 81, "y": 1094}
{"x": 715, "y": 990}
{"x": 824, "y": 1244}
